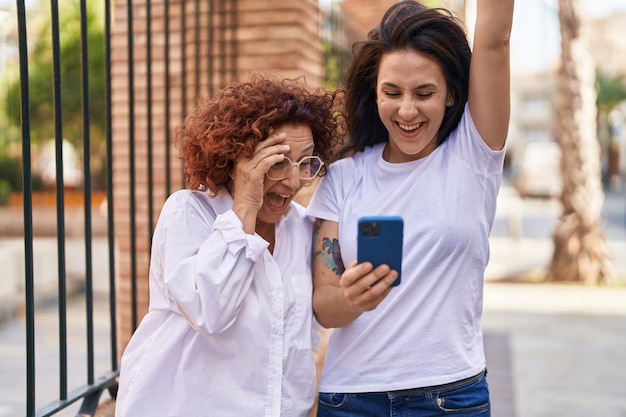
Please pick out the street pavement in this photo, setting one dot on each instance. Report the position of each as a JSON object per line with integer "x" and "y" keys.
{"x": 553, "y": 350}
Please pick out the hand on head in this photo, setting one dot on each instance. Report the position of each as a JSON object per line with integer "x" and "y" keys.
{"x": 249, "y": 173}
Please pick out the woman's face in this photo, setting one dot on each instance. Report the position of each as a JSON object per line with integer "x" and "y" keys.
{"x": 412, "y": 95}
{"x": 277, "y": 194}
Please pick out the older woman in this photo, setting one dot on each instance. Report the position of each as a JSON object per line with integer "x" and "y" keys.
{"x": 229, "y": 330}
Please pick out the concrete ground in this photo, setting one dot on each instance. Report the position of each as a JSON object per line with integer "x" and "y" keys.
{"x": 556, "y": 350}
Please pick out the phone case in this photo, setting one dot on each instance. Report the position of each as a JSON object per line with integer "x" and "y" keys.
{"x": 379, "y": 241}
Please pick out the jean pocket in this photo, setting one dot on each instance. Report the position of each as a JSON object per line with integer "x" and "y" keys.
{"x": 470, "y": 398}
{"x": 332, "y": 399}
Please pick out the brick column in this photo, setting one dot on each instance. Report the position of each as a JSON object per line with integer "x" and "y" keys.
{"x": 217, "y": 46}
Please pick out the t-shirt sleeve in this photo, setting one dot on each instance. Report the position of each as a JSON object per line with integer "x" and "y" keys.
{"x": 467, "y": 143}
{"x": 327, "y": 198}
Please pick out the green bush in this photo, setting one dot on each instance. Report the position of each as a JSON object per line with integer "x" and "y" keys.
{"x": 5, "y": 191}
{"x": 11, "y": 172}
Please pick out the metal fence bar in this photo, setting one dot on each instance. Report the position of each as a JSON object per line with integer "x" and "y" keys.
{"x": 87, "y": 191}
{"x": 222, "y": 43}
{"x": 233, "y": 39}
{"x": 90, "y": 393}
{"x": 149, "y": 117}
{"x": 168, "y": 138}
{"x": 29, "y": 292}
{"x": 60, "y": 199}
{"x": 183, "y": 75}
{"x": 131, "y": 144}
{"x": 109, "y": 185}
{"x": 211, "y": 41}
{"x": 183, "y": 58}
{"x": 197, "y": 51}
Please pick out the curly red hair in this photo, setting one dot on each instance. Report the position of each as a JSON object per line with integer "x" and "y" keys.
{"x": 230, "y": 124}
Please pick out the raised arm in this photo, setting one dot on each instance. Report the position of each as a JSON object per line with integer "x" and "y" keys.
{"x": 489, "y": 88}
{"x": 340, "y": 295}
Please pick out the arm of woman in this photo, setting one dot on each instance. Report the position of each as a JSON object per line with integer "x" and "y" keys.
{"x": 207, "y": 269}
{"x": 340, "y": 295}
{"x": 489, "y": 86}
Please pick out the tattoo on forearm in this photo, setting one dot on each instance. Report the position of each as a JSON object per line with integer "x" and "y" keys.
{"x": 332, "y": 255}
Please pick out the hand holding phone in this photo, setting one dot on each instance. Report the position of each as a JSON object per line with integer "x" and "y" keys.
{"x": 379, "y": 241}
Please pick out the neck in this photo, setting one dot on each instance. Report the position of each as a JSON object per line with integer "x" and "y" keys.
{"x": 268, "y": 232}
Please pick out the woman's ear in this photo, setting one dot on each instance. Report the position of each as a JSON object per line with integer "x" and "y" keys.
{"x": 450, "y": 101}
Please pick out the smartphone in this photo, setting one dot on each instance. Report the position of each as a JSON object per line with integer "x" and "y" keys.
{"x": 379, "y": 241}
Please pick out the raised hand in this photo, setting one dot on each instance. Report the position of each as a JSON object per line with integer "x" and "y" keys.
{"x": 249, "y": 175}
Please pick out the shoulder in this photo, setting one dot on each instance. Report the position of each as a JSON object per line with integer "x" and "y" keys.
{"x": 349, "y": 164}
{"x": 465, "y": 129}
{"x": 195, "y": 203}
{"x": 185, "y": 198}
{"x": 297, "y": 210}
{"x": 298, "y": 213}
{"x": 467, "y": 145}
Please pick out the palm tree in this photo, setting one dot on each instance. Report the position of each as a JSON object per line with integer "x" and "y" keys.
{"x": 580, "y": 253}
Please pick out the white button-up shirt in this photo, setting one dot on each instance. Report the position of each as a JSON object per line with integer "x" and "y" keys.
{"x": 230, "y": 326}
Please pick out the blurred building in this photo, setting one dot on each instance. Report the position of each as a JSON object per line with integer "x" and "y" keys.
{"x": 533, "y": 101}
{"x": 534, "y": 95}
{"x": 606, "y": 39}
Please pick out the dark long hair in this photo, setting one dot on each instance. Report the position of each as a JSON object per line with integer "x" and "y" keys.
{"x": 407, "y": 25}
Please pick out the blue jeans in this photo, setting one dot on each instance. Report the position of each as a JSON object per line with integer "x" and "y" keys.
{"x": 467, "y": 397}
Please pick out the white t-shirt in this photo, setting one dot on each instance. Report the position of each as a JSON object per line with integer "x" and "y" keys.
{"x": 229, "y": 331}
{"x": 427, "y": 331}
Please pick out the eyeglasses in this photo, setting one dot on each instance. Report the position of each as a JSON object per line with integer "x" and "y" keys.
{"x": 308, "y": 168}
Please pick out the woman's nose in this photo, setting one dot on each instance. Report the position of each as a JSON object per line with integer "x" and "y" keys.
{"x": 293, "y": 179}
{"x": 408, "y": 109}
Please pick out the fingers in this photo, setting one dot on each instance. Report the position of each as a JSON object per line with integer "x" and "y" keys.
{"x": 272, "y": 139}
{"x": 266, "y": 153}
{"x": 365, "y": 287}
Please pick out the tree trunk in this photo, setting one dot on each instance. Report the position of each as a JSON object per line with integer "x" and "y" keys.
{"x": 580, "y": 253}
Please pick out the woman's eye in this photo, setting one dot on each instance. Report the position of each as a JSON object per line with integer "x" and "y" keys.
{"x": 391, "y": 94}
{"x": 280, "y": 164}
{"x": 424, "y": 95}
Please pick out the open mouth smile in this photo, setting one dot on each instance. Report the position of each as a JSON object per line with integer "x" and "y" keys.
{"x": 276, "y": 201}
{"x": 410, "y": 128}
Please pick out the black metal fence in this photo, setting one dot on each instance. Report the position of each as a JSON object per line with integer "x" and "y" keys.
{"x": 89, "y": 393}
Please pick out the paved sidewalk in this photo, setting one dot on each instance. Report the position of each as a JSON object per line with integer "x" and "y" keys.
{"x": 564, "y": 346}
{"x": 552, "y": 351}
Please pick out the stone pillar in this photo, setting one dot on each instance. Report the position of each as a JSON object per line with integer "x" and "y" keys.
{"x": 221, "y": 41}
